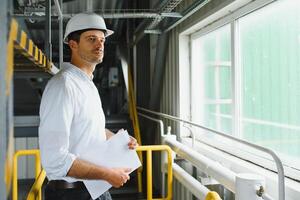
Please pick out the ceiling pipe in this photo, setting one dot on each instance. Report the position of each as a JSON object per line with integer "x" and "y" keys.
{"x": 41, "y": 17}
{"x": 116, "y": 23}
{"x": 112, "y": 15}
{"x": 89, "y": 5}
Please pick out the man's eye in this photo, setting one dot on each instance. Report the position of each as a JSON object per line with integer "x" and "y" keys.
{"x": 91, "y": 39}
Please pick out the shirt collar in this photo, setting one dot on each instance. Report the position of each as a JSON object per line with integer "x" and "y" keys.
{"x": 76, "y": 70}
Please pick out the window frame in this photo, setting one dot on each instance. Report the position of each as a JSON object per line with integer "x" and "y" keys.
{"x": 232, "y": 20}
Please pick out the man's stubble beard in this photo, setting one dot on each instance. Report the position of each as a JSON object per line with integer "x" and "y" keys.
{"x": 92, "y": 60}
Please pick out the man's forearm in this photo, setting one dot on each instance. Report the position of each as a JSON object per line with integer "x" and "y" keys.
{"x": 85, "y": 170}
{"x": 82, "y": 169}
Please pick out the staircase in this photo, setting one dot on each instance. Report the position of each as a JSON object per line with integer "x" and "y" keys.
{"x": 127, "y": 192}
{"x": 117, "y": 122}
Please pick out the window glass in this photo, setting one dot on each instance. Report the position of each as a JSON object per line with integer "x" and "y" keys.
{"x": 270, "y": 63}
{"x": 211, "y": 80}
{"x": 267, "y": 47}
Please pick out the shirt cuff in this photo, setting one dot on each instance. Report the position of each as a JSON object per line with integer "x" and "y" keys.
{"x": 69, "y": 161}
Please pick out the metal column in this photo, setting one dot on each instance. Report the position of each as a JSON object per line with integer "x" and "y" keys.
{"x": 157, "y": 80}
{"x": 3, "y": 128}
{"x": 159, "y": 71}
{"x": 58, "y": 6}
{"x": 48, "y": 44}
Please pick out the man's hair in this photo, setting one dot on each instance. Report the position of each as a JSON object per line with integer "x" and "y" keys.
{"x": 76, "y": 34}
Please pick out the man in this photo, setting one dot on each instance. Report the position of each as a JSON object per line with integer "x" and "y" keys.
{"x": 71, "y": 115}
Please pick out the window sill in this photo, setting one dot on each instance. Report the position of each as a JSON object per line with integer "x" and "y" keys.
{"x": 241, "y": 166}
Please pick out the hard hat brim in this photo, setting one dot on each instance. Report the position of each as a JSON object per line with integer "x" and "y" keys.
{"x": 107, "y": 32}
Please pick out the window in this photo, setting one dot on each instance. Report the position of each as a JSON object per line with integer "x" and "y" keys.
{"x": 211, "y": 80}
{"x": 269, "y": 53}
{"x": 267, "y": 67}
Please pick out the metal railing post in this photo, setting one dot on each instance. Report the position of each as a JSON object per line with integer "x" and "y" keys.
{"x": 34, "y": 152}
{"x": 149, "y": 150}
{"x": 279, "y": 165}
{"x": 161, "y": 126}
{"x": 36, "y": 187}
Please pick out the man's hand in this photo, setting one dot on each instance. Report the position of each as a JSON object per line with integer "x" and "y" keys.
{"x": 117, "y": 177}
{"x": 132, "y": 143}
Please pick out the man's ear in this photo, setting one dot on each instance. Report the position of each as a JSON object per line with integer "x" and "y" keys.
{"x": 73, "y": 44}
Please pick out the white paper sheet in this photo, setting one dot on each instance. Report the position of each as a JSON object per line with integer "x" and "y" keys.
{"x": 111, "y": 153}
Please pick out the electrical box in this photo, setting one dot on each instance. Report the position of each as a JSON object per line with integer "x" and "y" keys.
{"x": 113, "y": 77}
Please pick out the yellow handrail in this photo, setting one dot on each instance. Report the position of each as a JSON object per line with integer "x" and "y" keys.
{"x": 36, "y": 187}
{"x": 34, "y": 152}
{"x": 41, "y": 174}
{"x": 149, "y": 150}
{"x": 212, "y": 196}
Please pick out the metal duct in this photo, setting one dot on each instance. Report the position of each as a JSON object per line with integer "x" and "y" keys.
{"x": 124, "y": 15}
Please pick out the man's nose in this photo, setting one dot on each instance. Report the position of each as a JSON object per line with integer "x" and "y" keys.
{"x": 99, "y": 43}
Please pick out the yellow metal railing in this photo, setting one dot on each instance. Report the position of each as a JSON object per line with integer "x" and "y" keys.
{"x": 35, "y": 190}
{"x": 40, "y": 176}
{"x": 212, "y": 196}
{"x": 36, "y": 187}
{"x": 34, "y": 152}
{"x": 149, "y": 150}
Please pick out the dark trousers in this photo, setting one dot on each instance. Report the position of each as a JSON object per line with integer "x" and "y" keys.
{"x": 71, "y": 194}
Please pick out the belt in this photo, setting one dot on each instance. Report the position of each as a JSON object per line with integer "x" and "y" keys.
{"x": 61, "y": 184}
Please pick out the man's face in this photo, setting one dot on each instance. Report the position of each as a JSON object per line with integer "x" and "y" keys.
{"x": 90, "y": 47}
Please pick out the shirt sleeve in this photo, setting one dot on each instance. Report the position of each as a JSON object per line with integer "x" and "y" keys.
{"x": 56, "y": 114}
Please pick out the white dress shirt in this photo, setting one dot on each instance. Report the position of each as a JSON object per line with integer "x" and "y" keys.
{"x": 71, "y": 116}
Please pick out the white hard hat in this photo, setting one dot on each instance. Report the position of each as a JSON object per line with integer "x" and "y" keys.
{"x": 83, "y": 21}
